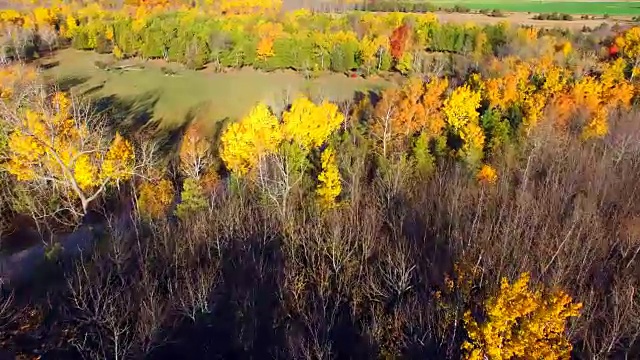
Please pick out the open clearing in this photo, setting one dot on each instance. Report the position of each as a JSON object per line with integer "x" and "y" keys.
{"x": 569, "y": 7}
{"x": 189, "y": 94}
{"x": 525, "y": 19}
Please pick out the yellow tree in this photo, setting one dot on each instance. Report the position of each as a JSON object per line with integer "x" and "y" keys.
{"x": 521, "y": 323}
{"x": 630, "y": 44}
{"x": 616, "y": 90}
{"x": 329, "y": 187}
{"x": 245, "y": 142}
{"x": 370, "y": 48}
{"x": 155, "y": 198}
{"x": 461, "y": 114}
{"x": 309, "y": 125}
{"x": 48, "y": 145}
{"x": 461, "y": 107}
{"x": 588, "y": 95}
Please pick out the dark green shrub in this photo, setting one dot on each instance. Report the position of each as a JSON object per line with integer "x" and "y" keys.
{"x": 343, "y": 57}
{"x": 496, "y": 130}
{"x": 553, "y": 16}
{"x": 460, "y": 9}
{"x": 496, "y": 13}
{"x": 196, "y": 53}
{"x": 103, "y": 45}
{"x": 81, "y": 40}
{"x": 153, "y": 42}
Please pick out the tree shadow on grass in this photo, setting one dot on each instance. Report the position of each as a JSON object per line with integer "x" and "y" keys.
{"x": 134, "y": 118}
{"x": 49, "y": 65}
{"x": 127, "y": 115}
{"x": 67, "y": 83}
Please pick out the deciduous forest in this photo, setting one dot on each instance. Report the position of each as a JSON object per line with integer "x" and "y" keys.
{"x": 480, "y": 205}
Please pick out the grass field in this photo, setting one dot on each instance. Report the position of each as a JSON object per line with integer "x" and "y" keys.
{"x": 204, "y": 95}
{"x": 569, "y": 7}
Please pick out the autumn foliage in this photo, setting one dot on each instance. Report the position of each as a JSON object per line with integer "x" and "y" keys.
{"x": 195, "y": 152}
{"x": 329, "y": 180}
{"x": 245, "y": 142}
{"x": 480, "y": 207}
{"x": 50, "y": 145}
{"x": 305, "y": 124}
{"x": 521, "y": 323}
{"x": 399, "y": 41}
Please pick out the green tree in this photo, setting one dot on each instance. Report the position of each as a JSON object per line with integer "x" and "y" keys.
{"x": 192, "y": 199}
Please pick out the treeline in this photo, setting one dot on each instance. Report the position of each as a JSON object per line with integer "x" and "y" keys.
{"x": 307, "y": 42}
{"x": 297, "y": 40}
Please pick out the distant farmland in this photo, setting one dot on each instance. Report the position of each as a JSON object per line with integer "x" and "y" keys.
{"x": 569, "y": 7}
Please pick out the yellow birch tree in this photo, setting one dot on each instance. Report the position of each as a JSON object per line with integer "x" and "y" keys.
{"x": 49, "y": 145}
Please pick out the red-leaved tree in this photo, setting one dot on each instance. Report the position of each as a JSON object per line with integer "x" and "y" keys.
{"x": 399, "y": 41}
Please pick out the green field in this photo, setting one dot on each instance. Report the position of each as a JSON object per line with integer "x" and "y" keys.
{"x": 192, "y": 94}
{"x": 569, "y": 7}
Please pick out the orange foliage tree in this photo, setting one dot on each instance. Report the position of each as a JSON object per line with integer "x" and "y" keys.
{"x": 155, "y": 198}
{"x": 403, "y": 112}
{"x": 195, "y": 152}
{"x": 399, "y": 41}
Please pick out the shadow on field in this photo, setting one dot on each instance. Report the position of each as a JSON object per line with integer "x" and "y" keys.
{"x": 134, "y": 116}
{"x": 127, "y": 115}
{"x": 67, "y": 83}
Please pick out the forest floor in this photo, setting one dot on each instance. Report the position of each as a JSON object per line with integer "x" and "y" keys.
{"x": 187, "y": 94}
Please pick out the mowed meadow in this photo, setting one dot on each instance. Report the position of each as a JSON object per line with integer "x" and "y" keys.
{"x": 172, "y": 95}
{"x": 312, "y": 180}
{"x": 578, "y": 7}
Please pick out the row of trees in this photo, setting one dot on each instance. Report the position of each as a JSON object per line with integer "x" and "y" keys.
{"x": 53, "y": 144}
{"x": 300, "y": 39}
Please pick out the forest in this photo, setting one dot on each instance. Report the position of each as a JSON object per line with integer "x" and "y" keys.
{"x": 481, "y": 205}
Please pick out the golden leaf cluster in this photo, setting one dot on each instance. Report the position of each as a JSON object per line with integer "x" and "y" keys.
{"x": 461, "y": 107}
{"x": 53, "y": 146}
{"x": 461, "y": 114}
{"x": 245, "y": 142}
{"x": 629, "y": 43}
{"x": 329, "y": 186}
{"x": 309, "y": 125}
{"x": 487, "y": 174}
{"x": 119, "y": 160}
{"x": 521, "y": 323}
{"x": 155, "y": 198}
